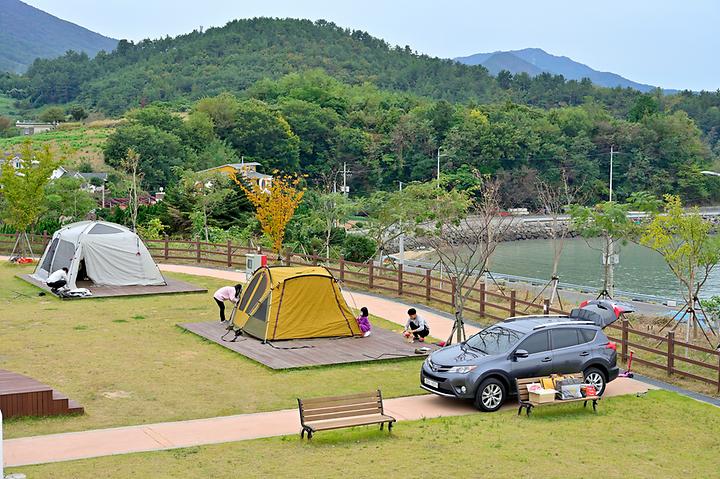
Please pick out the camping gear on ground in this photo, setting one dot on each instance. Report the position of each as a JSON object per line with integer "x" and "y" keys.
{"x": 297, "y": 302}
{"x": 107, "y": 253}
{"x": 569, "y": 388}
{"x": 602, "y": 312}
{"x": 628, "y": 373}
{"x": 75, "y": 293}
{"x": 588, "y": 390}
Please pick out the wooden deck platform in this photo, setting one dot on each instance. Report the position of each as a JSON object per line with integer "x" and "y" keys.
{"x": 24, "y": 396}
{"x": 383, "y": 344}
{"x": 173, "y": 286}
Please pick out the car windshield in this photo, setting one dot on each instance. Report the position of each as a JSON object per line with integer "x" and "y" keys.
{"x": 494, "y": 340}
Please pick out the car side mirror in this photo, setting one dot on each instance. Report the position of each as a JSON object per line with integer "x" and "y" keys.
{"x": 520, "y": 353}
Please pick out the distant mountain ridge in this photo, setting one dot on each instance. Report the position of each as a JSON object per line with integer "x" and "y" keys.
{"x": 534, "y": 61}
{"x": 27, "y": 33}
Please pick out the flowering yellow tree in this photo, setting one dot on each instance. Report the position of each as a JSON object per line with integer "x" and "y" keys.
{"x": 274, "y": 206}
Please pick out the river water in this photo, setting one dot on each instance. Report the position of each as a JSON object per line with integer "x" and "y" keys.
{"x": 641, "y": 270}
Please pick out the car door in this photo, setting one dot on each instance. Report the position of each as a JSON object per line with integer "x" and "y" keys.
{"x": 568, "y": 355}
{"x": 539, "y": 361}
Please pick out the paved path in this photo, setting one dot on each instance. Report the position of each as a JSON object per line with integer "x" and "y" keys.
{"x": 198, "y": 432}
{"x": 169, "y": 435}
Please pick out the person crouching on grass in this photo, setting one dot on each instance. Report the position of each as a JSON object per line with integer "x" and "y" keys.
{"x": 416, "y": 326}
{"x": 227, "y": 293}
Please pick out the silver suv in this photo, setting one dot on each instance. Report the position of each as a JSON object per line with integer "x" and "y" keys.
{"x": 484, "y": 367}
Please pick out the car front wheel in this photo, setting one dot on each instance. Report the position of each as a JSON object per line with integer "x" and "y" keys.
{"x": 490, "y": 395}
{"x": 595, "y": 377}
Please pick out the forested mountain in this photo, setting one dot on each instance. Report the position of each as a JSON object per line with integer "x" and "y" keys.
{"x": 27, "y": 33}
{"x": 304, "y": 96}
{"x": 534, "y": 61}
{"x": 237, "y": 55}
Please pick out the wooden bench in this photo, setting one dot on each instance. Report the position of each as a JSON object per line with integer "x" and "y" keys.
{"x": 320, "y": 414}
{"x": 524, "y": 395}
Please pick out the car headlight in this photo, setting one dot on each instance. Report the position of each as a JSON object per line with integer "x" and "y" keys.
{"x": 461, "y": 369}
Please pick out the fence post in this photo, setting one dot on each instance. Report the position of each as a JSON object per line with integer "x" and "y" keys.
{"x": 197, "y": 245}
{"x": 400, "y": 280}
{"x": 167, "y": 247}
{"x": 342, "y": 268}
{"x": 513, "y": 303}
{"x": 453, "y": 290}
{"x": 229, "y": 253}
{"x": 670, "y": 352}
{"x": 45, "y": 239}
{"x": 314, "y": 260}
{"x": 482, "y": 300}
{"x": 371, "y": 272}
{"x": 546, "y": 306}
{"x": 428, "y": 284}
{"x": 624, "y": 341}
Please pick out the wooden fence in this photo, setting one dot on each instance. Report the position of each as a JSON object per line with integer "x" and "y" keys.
{"x": 663, "y": 353}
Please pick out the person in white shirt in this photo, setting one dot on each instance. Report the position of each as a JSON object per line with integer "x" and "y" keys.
{"x": 57, "y": 280}
{"x": 416, "y": 326}
{"x": 227, "y": 293}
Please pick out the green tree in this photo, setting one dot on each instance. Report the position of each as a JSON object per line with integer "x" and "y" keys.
{"x": 609, "y": 221}
{"x": 77, "y": 113}
{"x": 684, "y": 240}
{"x": 65, "y": 198}
{"x": 205, "y": 191}
{"x": 53, "y": 114}
{"x": 645, "y": 105}
{"x": 262, "y": 135}
{"x": 23, "y": 189}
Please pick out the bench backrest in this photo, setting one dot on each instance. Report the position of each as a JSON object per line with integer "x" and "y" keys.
{"x": 524, "y": 395}
{"x": 361, "y": 404}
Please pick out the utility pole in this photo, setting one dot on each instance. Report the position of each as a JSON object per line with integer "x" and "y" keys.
{"x": 438, "y": 167}
{"x": 612, "y": 151}
{"x": 345, "y": 192}
{"x": 401, "y": 243}
{"x": 610, "y": 253}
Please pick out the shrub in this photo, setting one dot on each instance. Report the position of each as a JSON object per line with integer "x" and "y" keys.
{"x": 358, "y": 249}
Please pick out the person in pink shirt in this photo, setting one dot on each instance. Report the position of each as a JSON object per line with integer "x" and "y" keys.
{"x": 364, "y": 322}
{"x": 227, "y": 293}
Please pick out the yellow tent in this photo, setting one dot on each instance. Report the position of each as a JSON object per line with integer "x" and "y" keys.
{"x": 292, "y": 303}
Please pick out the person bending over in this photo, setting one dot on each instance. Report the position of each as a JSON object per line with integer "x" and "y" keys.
{"x": 227, "y": 293}
{"x": 57, "y": 280}
{"x": 416, "y": 326}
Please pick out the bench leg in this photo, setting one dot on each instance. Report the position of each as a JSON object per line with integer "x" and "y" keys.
{"x": 594, "y": 405}
{"x": 520, "y": 410}
{"x": 302, "y": 433}
{"x": 528, "y": 409}
{"x": 584, "y": 403}
{"x": 390, "y": 425}
{"x": 309, "y": 434}
{"x": 382, "y": 426}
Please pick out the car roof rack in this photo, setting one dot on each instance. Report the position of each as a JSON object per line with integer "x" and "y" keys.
{"x": 566, "y": 323}
{"x": 534, "y": 316}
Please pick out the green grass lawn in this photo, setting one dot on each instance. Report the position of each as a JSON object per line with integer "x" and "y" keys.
{"x": 128, "y": 363}
{"x": 659, "y": 435}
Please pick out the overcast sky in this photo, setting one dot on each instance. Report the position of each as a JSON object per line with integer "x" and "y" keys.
{"x": 670, "y": 43}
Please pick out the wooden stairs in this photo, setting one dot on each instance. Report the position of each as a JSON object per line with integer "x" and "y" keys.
{"x": 24, "y": 396}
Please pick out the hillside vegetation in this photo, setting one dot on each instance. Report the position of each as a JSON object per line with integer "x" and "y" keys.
{"x": 27, "y": 33}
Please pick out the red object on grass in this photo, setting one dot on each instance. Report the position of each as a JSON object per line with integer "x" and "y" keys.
{"x": 24, "y": 260}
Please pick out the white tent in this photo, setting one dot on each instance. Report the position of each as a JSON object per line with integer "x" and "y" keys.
{"x": 107, "y": 253}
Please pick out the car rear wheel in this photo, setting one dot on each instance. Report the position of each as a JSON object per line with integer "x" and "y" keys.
{"x": 595, "y": 377}
{"x": 490, "y": 395}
